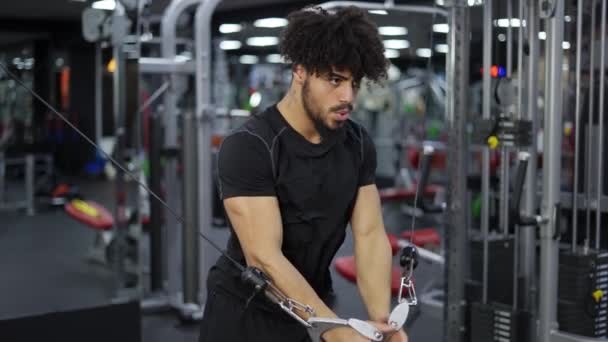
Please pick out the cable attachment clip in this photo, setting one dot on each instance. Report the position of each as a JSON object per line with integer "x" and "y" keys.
{"x": 407, "y": 291}
{"x": 261, "y": 283}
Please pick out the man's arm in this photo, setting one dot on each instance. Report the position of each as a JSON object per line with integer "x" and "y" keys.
{"x": 372, "y": 253}
{"x": 257, "y": 223}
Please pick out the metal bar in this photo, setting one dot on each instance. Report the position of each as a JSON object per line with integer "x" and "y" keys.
{"x": 485, "y": 158}
{"x": 29, "y": 184}
{"x": 567, "y": 199}
{"x": 588, "y": 162}
{"x": 98, "y": 94}
{"x": 551, "y": 174}
{"x": 151, "y": 65}
{"x": 600, "y": 168}
{"x": 173, "y": 232}
{"x": 457, "y": 72}
{"x": 577, "y": 125}
{"x": 204, "y": 122}
{"x": 378, "y": 6}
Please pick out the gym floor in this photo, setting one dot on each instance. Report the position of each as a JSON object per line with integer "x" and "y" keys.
{"x": 44, "y": 270}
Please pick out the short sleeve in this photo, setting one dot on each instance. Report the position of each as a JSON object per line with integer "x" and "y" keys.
{"x": 367, "y": 173}
{"x": 244, "y": 167}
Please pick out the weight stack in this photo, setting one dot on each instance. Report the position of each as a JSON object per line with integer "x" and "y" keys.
{"x": 498, "y": 322}
{"x": 500, "y": 270}
{"x": 580, "y": 277}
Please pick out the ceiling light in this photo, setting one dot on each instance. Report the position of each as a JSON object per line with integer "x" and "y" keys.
{"x": 270, "y": 22}
{"x": 108, "y": 5}
{"x": 396, "y": 44}
{"x": 441, "y": 28}
{"x": 565, "y": 45}
{"x": 275, "y": 58}
{"x": 568, "y": 18}
{"x": 230, "y": 28}
{"x": 504, "y": 22}
{"x": 392, "y": 30}
{"x": 441, "y": 48}
{"x": 542, "y": 35}
{"x": 424, "y": 52}
{"x": 248, "y": 59}
{"x": 230, "y": 45}
{"x": 262, "y": 41}
{"x": 390, "y": 53}
{"x": 378, "y": 12}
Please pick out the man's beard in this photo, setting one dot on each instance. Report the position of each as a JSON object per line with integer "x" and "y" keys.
{"x": 316, "y": 116}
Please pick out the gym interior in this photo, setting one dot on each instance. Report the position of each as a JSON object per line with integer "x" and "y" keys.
{"x": 489, "y": 134}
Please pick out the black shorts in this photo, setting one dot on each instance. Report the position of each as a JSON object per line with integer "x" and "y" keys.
{"x": 226, "y": 318}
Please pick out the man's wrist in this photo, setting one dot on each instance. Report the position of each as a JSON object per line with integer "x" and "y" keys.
{"x": 380, "y": 318}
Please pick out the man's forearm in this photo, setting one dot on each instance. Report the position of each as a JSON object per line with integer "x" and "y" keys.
{"x": 291, "y": 282}
{"x": 373, "y": 258}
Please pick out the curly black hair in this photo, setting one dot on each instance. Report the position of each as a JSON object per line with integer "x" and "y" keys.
{"x": 345, "y": 39}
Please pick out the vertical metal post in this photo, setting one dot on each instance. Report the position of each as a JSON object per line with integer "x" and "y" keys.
{"x": 173, "y": 229}
{"x": 588, "y": 162}
{"x": 528, "y": 234}
{"x": 577, "y": 125}
{"x": 510, "y": 38}
{"x": 520, "y": 59}
{"x": 456, "y": 109}
{"x": 485, "y": 157}
{"x": 601, "y": 141}
{"x": 120, "y": 109}
{"x": 98, "y": 94}
{"x": 504, "y": 151}
{"x": 156, "y": 251}
{"x": 204, "y": 119}
{"x": 551, "y": 174}
{"x": 29, "y": 184}
{"x": 190, "y": 206}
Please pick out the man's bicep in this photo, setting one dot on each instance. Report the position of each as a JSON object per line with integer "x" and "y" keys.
{"x": 257, "y": 224}
{"x": 367, "y": 213}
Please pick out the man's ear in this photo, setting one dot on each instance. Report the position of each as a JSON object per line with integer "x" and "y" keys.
{"x": 299, "y": 73}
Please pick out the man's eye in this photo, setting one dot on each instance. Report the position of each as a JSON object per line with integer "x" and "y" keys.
{"x": 334, "y": 81}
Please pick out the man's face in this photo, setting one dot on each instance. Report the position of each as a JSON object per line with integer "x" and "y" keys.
{"x": 328, "y": 98}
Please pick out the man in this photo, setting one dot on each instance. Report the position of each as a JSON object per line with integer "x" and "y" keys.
{"x": 292, "y": 178}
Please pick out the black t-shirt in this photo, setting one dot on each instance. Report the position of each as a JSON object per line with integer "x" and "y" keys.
{"x": 315, "y": 184}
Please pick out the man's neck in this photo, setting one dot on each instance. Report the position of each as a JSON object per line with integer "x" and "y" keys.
{"x": 292, "y": 109}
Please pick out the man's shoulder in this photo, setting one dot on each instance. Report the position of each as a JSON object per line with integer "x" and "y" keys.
{"x": 259, "y": 126}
